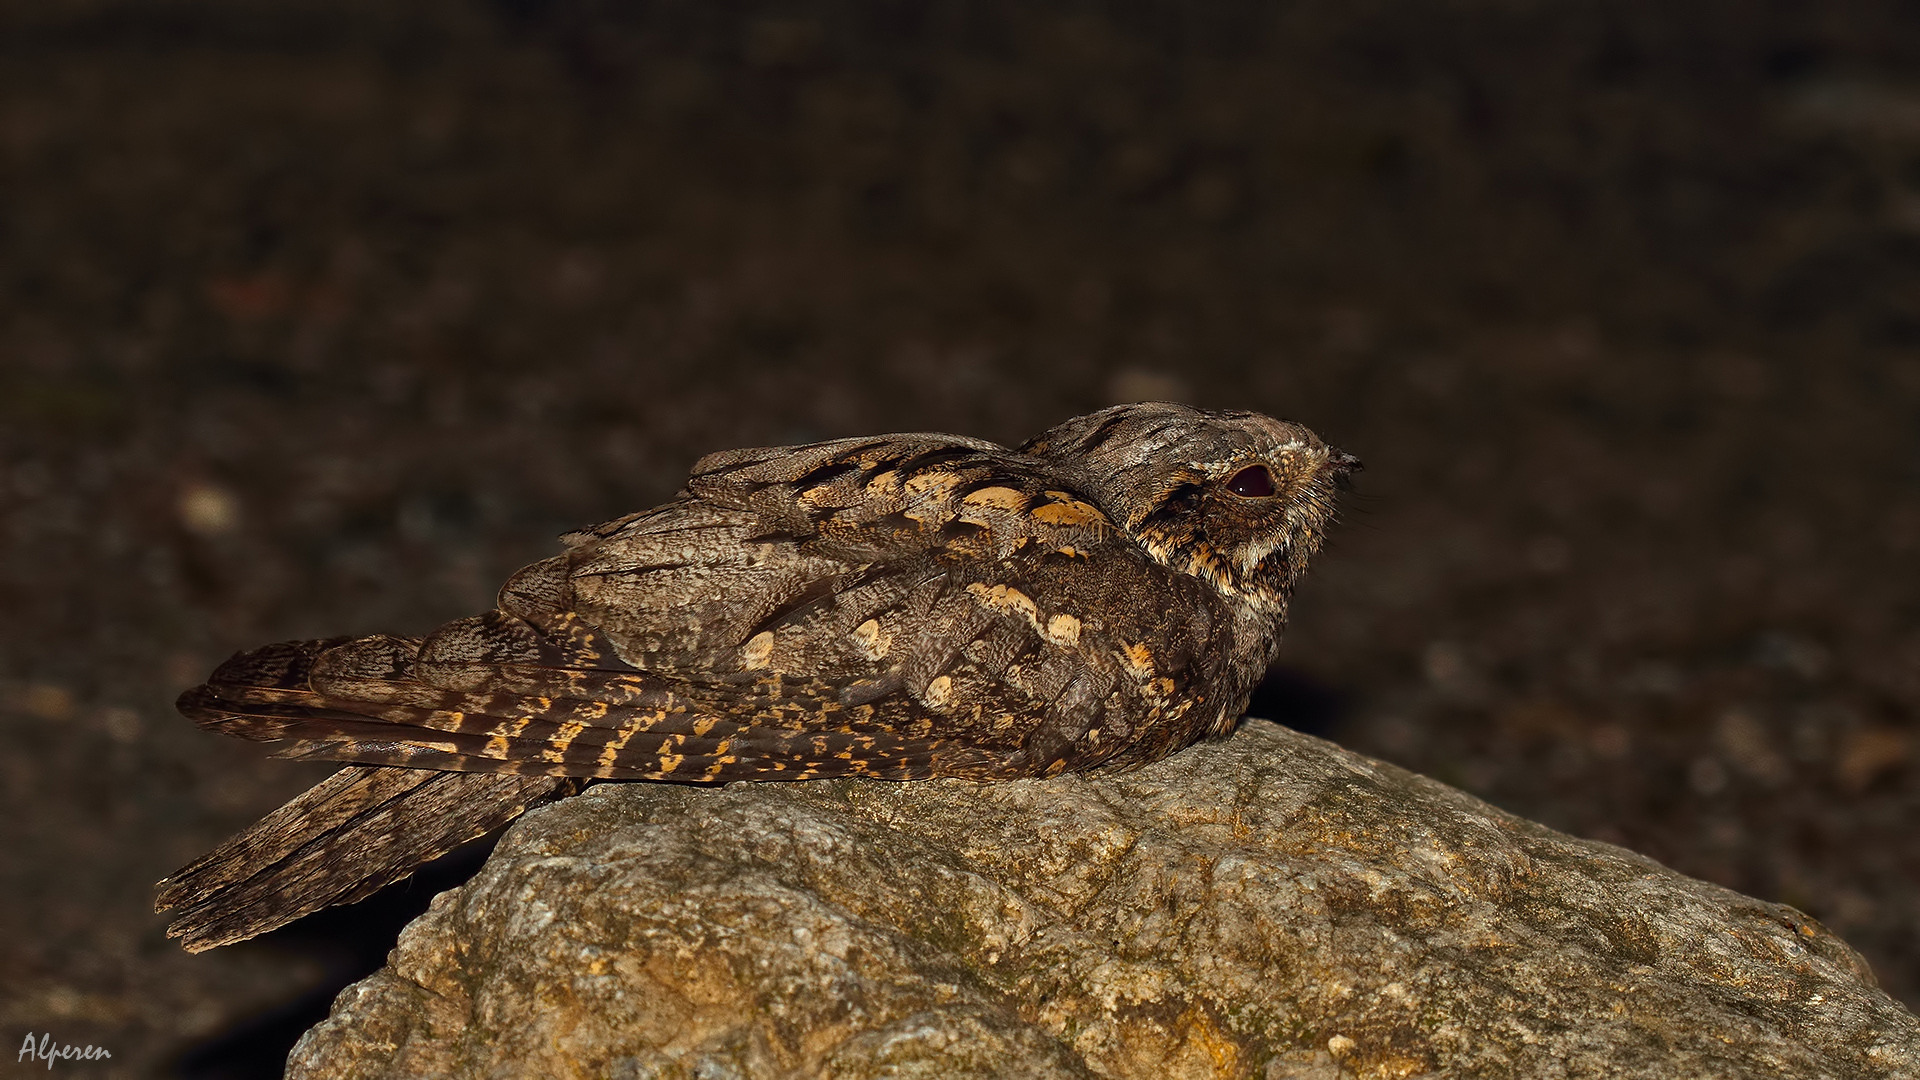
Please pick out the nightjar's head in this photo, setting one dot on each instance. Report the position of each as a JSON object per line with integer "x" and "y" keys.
{"x": 1238, "y": 499}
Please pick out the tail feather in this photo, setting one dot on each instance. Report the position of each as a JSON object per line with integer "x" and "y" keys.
{"x": 342, "y": 840}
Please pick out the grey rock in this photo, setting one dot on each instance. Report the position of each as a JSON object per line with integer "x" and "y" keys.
{"x": 1269, "y": 906}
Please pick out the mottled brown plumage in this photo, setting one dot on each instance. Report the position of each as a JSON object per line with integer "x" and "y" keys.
{"x": 901, "y": 607}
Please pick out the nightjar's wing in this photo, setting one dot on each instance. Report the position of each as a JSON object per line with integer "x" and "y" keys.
{"x": 899, "y": 607}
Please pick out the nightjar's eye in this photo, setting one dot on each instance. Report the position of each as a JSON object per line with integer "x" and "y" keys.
{"x": 1252, "y": 482}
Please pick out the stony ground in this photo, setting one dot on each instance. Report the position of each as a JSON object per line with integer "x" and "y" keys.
{"x": 322, "y": 318}
{"x": 1268, "y": 905}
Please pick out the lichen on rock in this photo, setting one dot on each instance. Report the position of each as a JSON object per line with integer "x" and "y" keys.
{"x": 1267, "y": 906}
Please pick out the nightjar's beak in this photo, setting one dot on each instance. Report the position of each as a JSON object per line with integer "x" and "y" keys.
{"x": 1343, "y": 465}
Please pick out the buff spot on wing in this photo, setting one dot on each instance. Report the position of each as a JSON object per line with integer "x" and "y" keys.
{"x": 939, "y": 691}
{"x": 757, "y": 653}
{"x": 1139, "y": 658}
{"x": 1068, "y": 511}
{"x": 1004, "y": 498}
{"x": 611, "y": 752}
{"x": 872, "y": 641}
{"x": 704, "y": 725}
{"x": 931, "y": 485}
{"x": 670, "y": 758}
{"x": 503, "y": 734}
{"x": 1005, "y": 599}
{"x": 886, "y": 483}
{"x": 557, "y": 745}
{"x": 1063, "y": 629}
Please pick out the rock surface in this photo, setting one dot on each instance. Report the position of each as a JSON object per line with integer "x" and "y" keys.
{"x": 1269, "y": 906}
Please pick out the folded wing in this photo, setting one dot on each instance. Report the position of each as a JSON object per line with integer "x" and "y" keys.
{"x": 898, "y": 608}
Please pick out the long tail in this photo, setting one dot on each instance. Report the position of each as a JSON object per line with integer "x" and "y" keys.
{"x": 346, "y": 837}
{"x": 362, "y": 828}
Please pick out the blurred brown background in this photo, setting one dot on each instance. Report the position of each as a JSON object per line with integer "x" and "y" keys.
{"x": 321, "y": 318}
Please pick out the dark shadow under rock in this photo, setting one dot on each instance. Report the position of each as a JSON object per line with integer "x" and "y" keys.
{"x": 1267, "y": 906}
